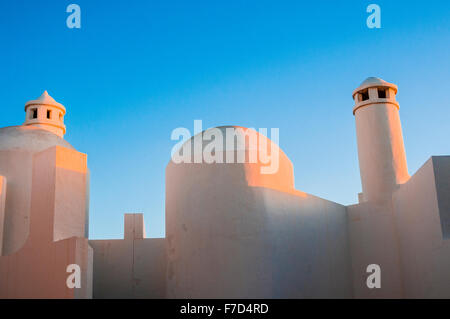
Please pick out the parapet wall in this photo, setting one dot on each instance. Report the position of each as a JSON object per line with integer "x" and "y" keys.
{"x": 133, "y": 267}
{"x": 422, "y": 211}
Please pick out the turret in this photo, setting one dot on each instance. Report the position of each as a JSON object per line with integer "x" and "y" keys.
{"x": 381, "y": 152}
{"x": 47, "y": 114}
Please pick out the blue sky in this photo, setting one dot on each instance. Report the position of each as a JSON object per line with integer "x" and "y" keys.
{"x": 136, "y": 70}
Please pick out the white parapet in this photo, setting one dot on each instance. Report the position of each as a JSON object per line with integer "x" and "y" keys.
{"x": 134, "y": 226}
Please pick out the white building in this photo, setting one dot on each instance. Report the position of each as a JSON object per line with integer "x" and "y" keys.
{"x": 231, "y": 231}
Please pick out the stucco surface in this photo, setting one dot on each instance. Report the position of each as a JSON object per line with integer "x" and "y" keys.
{"x": 420, "y": 213}
{"x": 381, "y": 152}
{"x": 441, "y": 165}
{"x": 134, "y": 267}
{"x": 18, "y": 144}
{"x": 38, "y": 269}
{"x": 29, "y": 138}
{"x": 2, "y": 209}
{"x": 229, "y": 239}
{"x": 374, "y": 240}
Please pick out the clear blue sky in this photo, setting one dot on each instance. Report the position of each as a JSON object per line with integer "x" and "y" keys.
{"x": 138, "y": 69}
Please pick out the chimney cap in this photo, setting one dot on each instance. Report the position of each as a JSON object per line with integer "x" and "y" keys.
{"x": 374, "y": 82}
{"x": 45, "y": 99}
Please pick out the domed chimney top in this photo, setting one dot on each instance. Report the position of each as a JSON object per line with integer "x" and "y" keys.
{"x": 46, "y": 113}
{"x": 374, "y": 91}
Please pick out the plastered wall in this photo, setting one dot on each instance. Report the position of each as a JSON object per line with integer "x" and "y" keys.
{"x": 227, "y": 239}
{"x": 134, "y": 267}
{"x": 38, "y": 269}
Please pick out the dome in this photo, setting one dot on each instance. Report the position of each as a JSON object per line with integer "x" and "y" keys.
{"x": 374, "y": 82}
{"x": 239, "y": 132}
{"x": 264, "y": 164}
{"x": 29, "y": 138}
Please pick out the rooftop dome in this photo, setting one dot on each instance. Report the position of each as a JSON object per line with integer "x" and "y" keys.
{"x": 240, "y": 132}
{"x": 29, "y": 138}
{"x": 247, "y": 150}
